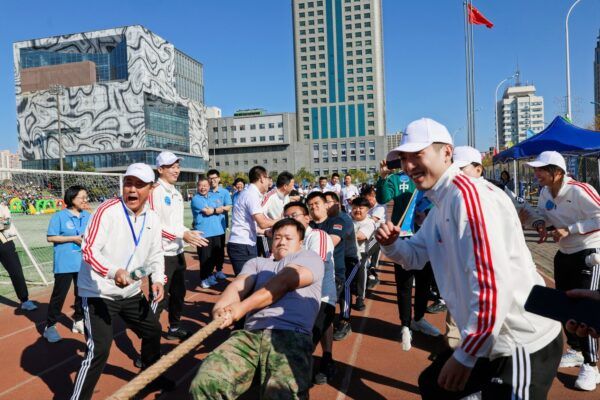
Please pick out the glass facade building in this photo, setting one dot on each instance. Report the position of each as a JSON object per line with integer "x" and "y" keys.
{"x": 110, "y": 65}
{"x": 188, "y": 77}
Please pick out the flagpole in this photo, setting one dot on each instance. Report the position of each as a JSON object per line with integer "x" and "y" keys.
{"x": 472, "y": 142}
{"x": 467, "y": 70}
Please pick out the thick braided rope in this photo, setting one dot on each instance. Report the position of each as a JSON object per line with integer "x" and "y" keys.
{"x": 165, "y": 362}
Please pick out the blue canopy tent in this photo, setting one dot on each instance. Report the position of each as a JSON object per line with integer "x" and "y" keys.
{"x": 561, "y": 136}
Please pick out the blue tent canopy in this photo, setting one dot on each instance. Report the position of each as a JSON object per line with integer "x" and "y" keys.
{"x": 561, "y": 136}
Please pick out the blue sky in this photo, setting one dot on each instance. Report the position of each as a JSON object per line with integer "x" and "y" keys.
{"x": 247, "y": 51}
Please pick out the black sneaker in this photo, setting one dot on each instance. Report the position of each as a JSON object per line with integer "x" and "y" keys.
{"x": 437, "y": 307}
{"x": 342, "y": 331}
{"x": 138, "y": 363}
{"x": 177, "y": 334}
{"x": 359, "y": 305}
{"x": 161, "y": 383}
{"x": 326, "y": 373}
{"x": 372, "y": 282}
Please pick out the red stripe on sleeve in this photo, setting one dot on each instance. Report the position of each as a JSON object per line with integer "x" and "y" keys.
{"x": 588, "y": 190}
{"x": 88, "y": 256}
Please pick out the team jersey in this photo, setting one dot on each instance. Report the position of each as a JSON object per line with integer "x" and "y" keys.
{"x": 483, "y": 268}
{"x": 576, "y": 207}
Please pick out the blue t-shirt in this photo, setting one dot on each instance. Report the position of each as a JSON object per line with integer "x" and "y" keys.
{"x": 210, "y": 225}
{"x": 222, "y": 198}
{"x": 67, "y": 256}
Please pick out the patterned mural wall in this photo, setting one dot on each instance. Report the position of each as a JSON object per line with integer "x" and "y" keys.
{"x": 108, "y": 115}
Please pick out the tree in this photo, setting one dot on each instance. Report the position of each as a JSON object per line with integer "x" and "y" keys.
{"x": 358, "y": 176}
{"x": 226, "y": 179}
{"x": 242, "y": 175}
{"x": 80, "y": 166}
{"x": 303, "y": 175}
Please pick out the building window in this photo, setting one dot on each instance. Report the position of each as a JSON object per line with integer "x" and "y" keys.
{"x": 216, "y": 129}
{"x": 263, "y": 138}
{"x": 261, "y": 126}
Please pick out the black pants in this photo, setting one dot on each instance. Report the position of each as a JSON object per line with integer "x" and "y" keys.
{"x": 571, "y": 272}
{"x": 344, "y": 294}
{"x": 220, "y": 261}
{"x": 174, "y": 289}
{"x": 404, "y": 286}
{"x": 211, "y": 256}
{"x": 534, "y": 374}
{"x": 322, "y": 322}
{"x": 239, "y": 254}
{"x": 10, "y": 260}
{"x": 99, "y": 315}
{"x": 62, "y": 284}
{"x": 263, "y": 246}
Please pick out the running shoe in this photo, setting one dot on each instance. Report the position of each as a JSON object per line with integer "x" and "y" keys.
{"x": 326, "y": 373}
{"x": 342, "y": 331}
{"x": 28, "y": 306}
{"x": 220, "y": 275}
{"x": 208, "y": 282}
{"x": 588, "y": 378}
{"x": 177, "y": 333}
{"x": 406, "y": 338}
{"x": 570, "y": 359}
{"x": 78, "y": 327}
{"x": 424, "y": 327}
{"x": 372, "y": 281}
{"x": 437, "y": 307}
{"x": 359, "y": 304}
{"x": 51, "y": 334}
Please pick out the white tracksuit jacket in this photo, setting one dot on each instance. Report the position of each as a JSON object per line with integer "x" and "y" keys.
{"x": 576, "y": 207}
{"x": 482, "y": 267}
{"x": 108, "y": 245}
{"x": 166, "y": 200}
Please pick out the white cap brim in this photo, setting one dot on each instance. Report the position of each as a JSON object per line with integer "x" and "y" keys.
{"x": 537, "y": 164}
{"x": 461, "y": 163}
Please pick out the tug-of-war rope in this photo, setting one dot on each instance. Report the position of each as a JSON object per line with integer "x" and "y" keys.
{"x": 158, "y": 368}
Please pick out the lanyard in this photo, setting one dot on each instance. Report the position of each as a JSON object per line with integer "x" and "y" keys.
{"x": 136, "y": 239}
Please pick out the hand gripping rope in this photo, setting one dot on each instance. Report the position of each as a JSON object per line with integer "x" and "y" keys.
{"x": 165, "y": 362}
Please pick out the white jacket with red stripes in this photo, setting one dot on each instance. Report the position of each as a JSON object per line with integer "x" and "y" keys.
{"x": 482, "y": 266}
{"x": 108, "y": 245}
{"x": 166, "y": 200}
{"x": 576, "y": 207}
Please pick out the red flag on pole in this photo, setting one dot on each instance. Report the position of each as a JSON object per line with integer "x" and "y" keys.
{"x": 477, "y": 18}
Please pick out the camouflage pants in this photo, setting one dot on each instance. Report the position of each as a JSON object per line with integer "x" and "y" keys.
{"x": 281, "y": 358}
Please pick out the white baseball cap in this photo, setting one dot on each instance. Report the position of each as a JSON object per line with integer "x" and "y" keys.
{"x": 166, "y": 158}
{"x": 420, "y": 134}
{"x": 141, "y": 171}
{"x": 465, "y": 155}
{"x": 549, "y": 158}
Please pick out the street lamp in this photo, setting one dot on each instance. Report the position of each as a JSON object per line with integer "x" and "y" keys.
{"x": 568, "y": 60}
{"x": 496, "y": 109}
{"x": 57, "y": 90}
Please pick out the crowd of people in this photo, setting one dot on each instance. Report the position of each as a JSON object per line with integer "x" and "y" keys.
{"x": 303, "y": 261}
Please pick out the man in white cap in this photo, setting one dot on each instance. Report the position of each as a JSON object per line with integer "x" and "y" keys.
{"x": 167, "y": 202}
{"x": 121, "y": 244}
{"x": 484, "y": 278}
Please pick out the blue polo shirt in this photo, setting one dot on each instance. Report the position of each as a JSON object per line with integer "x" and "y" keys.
{"x": 210, "y": 225}
{"x": 222, "y": 197}
{"x": 67, "y": 256}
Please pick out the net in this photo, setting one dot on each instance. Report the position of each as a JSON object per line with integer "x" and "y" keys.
{"x": 33, "y": 196}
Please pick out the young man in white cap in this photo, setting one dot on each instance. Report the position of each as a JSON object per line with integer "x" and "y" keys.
{"x": 121, "y": 244}
{"x": 167, "y": 202}
{"x": 573, "y": 208}
{"x": 484, "y": 279}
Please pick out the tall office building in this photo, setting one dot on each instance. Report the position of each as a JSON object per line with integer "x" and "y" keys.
{"x": 521, "y": 113}
{"x": 340, "y": 105}
{"x": 125, "y": 94}
{"x": 597, "y": 84}
{"x": 393, "y": 140}
{"x": 8, "y": 160}
{"x": 253, "y": 137}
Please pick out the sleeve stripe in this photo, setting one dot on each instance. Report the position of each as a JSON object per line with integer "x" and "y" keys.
{"x": 589, "y": 191}
{"x": 94, "y": 225}
{"x": 323, "y": 245}
{"x": 484, "y": 265}
{"x": 151, "y": 199}
{"x": 168, "y": 235}
{"x": 267, "y": 197}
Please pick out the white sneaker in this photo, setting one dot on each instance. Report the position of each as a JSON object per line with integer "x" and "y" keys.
{"x": 78, "y": 327}
{"x": 220, "y": 275}
{"x": 28, "y": 305}
{"x": 571, "y": 358}
{"x": 425, "y": 327}
{"x": 588, "y": 378}
{"x": 406, "y": 338}
{"x": 51, "y": 334}
{"x": 208, "y": 282}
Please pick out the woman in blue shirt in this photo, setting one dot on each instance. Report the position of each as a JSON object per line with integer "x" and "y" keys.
{"x": 66, "y": 231}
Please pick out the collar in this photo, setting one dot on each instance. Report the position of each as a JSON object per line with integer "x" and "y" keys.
{"x": 308, "y": 230}
{"x": 144, "y": 210}
{"x": 563, "y": 187}
{"x": 438, "y": 191}
{"x": 71, "y": 215}
{"x": 168, "y": 187}
{"x": 280, "y": 195}
{"x": 217, "y": 190}
{"x": 252, "y": 186}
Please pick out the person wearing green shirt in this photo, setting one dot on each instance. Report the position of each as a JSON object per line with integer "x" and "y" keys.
{"x": 397, "y": 186}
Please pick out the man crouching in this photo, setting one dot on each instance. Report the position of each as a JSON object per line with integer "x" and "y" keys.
{"x": 280, "y": 299}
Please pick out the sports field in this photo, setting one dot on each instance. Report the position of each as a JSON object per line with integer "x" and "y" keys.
{"x": 32, "y": 229}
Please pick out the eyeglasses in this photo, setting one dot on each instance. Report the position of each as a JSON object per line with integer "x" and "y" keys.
{"x": 84, "y": 199}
